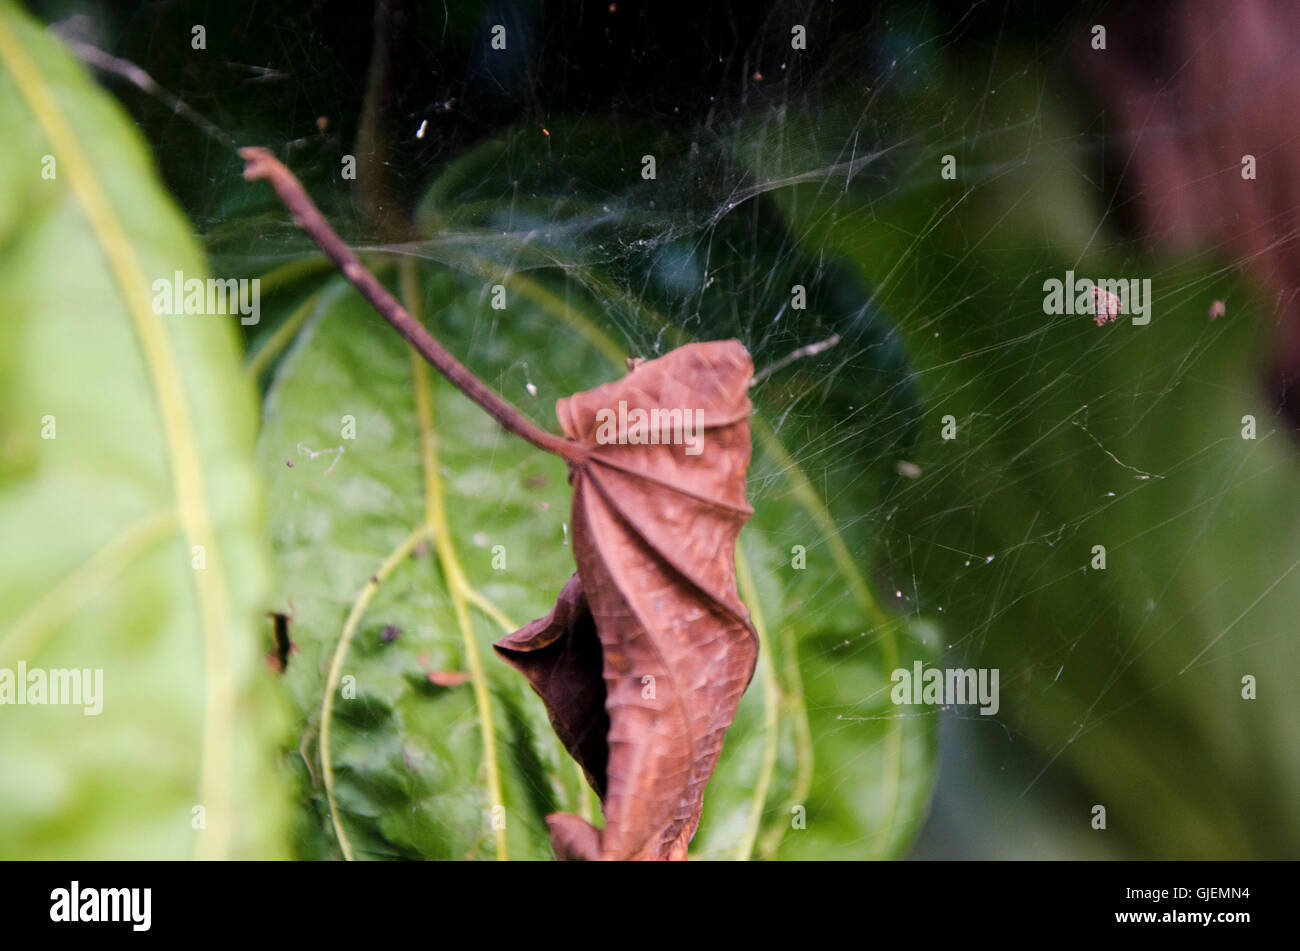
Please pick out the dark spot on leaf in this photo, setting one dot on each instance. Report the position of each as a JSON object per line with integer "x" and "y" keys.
{"x": 277, "y": 658}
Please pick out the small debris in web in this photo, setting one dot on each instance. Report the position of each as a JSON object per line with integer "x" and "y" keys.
{"x": 1108, "y": 305}
{"x": 313, "y": 453}
{"x": 808, "y": 350}
{"x": 447, "y": 678}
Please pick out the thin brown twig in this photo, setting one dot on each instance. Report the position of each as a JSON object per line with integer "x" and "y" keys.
{"x": 261, "y": 164}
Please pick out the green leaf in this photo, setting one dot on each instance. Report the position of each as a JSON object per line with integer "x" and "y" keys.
{"x": 127, "y": 441}
{"x": 410, "y": 777}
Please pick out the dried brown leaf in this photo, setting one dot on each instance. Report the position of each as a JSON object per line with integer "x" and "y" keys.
{"x": 644, "y": 658}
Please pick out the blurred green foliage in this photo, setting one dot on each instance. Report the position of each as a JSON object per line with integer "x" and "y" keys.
{"x": 127, "y": 440}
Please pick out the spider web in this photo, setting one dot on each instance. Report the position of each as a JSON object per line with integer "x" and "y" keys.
{"x": 821, "y": 168}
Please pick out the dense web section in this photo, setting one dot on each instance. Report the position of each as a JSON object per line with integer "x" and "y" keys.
{"x": 973, "y": 448}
